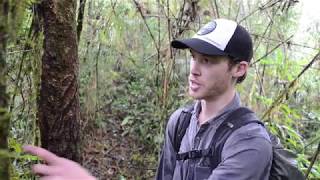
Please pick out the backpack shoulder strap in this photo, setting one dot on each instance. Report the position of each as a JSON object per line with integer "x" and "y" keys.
{"x": 234, "y": 121}
{"x": 181, "y": 126}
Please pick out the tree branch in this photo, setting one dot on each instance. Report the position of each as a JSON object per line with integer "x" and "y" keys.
{"x": 313, "y": 161}
{"x": 273, "y": 49}
{"x": 289, "y": 42}
{"x": 263, "y": 7}
{"x": 145, "y": 22}
{"x": 291, "y": 85}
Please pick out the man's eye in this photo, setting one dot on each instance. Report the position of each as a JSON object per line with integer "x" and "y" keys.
{"x": 206, "y": 61}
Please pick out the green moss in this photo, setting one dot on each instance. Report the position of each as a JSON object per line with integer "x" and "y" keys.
{"x": 4, "y": 128}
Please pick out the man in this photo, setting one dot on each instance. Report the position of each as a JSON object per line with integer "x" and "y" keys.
{"x": 221, "y": 52}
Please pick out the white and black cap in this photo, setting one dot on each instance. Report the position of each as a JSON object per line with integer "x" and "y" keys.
{"x": 220, "y": 37}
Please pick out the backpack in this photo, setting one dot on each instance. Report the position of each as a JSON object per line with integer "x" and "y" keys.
{"x": 283, "y": 164}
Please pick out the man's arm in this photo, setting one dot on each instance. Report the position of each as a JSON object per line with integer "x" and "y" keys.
{"x": 247, "y": 155}
{"x": 167, "y": 161}
{"x": 57, "y": 168}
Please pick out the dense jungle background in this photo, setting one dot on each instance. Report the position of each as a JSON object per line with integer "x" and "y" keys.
{"x": 96, "y": 80}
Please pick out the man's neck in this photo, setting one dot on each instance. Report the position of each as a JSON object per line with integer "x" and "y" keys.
{"x": 210, "y": 108}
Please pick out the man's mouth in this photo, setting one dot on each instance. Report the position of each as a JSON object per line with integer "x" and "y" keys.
{"x": 194, "y": 85}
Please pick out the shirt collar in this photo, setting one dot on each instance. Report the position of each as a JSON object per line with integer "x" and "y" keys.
{"x": 234, "y": 104}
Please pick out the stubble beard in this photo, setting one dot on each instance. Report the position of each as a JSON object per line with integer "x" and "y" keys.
{"x": 212, "y": 94}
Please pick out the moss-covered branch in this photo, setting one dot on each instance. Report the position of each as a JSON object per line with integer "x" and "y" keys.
{"x": 4, "y": 117}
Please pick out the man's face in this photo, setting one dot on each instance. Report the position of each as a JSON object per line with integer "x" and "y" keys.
{"x": 210, "y": 76}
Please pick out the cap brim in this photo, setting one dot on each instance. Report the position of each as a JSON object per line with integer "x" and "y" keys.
{"x": 198, "y": 45}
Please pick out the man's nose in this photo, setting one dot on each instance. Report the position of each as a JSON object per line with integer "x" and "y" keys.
{"x": 195, "y": 68}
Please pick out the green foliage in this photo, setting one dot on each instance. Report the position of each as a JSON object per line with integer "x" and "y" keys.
{"x": 126, "y": 83}
{"x": 132, "y": 75}
{"x": 304, "y": 162}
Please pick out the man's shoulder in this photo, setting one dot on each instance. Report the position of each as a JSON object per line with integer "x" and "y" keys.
{"x": 253, "y": 129}
{"x": 252, "y": 138}
{"x": 249, "y": 131}
{"x": 174, "y": 117}
{"x": 176, "y": 114}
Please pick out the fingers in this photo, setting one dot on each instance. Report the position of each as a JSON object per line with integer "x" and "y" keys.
{"x": 45, "y": 170}
{"x": 57, "y": 168}
{"x": 52, "y": 178}
{"x": 48, "y": 156}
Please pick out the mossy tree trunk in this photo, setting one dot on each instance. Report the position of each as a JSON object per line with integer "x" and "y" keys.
{"x": 4, "y": 116}
{"x": 59, "y": 109}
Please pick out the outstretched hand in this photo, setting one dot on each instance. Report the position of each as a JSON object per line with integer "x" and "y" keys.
{"x": 56, "y": 168}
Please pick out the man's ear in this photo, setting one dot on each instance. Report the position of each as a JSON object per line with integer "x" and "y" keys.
{"x": 240, "y": 69}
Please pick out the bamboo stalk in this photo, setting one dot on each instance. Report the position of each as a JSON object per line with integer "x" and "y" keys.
{"x": 313, "y": 161}
{"x": 279, "y": 99}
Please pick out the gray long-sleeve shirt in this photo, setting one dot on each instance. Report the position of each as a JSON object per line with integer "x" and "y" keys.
{"x": 247, "y": 154}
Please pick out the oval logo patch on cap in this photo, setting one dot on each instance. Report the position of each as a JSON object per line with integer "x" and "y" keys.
{"x": 208, "y": 28}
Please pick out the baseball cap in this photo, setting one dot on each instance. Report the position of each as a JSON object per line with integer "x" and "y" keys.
{"x": 220, "y": 37}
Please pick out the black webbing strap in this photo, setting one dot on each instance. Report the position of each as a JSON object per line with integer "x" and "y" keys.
{"x": 234, "y": 121}
{"x": 181, "y": 126}
{"x": 194, "y": 154}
